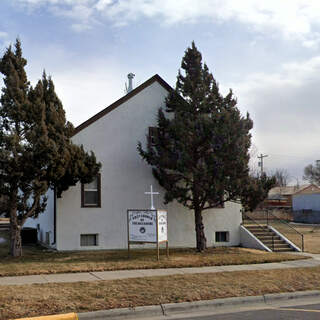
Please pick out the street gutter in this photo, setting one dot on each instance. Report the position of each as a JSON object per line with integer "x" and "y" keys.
{"x": 216, "y": 305}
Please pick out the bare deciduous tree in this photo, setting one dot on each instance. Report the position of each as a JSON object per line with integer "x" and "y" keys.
{"x": 282, "y": 177}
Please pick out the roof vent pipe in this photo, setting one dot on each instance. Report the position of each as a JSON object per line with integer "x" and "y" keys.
{"x": 130, "y": 77}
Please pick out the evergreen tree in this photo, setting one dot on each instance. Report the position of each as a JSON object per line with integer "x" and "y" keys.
{"x": 36, "y": 152}
{"x": 200, "y": 155}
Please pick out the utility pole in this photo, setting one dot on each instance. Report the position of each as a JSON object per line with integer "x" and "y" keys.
{"x": 261, "y": 161}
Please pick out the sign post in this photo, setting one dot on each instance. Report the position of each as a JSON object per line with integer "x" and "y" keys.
{"x": 147, "y": 226}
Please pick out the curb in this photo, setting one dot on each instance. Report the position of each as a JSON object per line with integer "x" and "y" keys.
{"x": 66, "y": 316}
{"x": 204, "y": 305}
{"x": 196, "y": 306}
{"x": 271, "y": 297}
{"x": 147, "y": 311}
{"x": 176, "y": 308}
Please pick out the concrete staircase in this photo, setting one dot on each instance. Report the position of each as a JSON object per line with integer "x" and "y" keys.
{"x": 269, "y": 238}
{"x": 4, "y": 226}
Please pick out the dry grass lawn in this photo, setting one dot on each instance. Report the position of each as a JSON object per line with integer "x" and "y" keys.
{"x": 37, "y": 260}
{"x": 33, "y": 300}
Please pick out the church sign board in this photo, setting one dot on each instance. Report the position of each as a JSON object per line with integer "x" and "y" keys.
{"x": 162, "y": 225}
{"x": 147, "y": 226}
{"x": 142, "y": 225}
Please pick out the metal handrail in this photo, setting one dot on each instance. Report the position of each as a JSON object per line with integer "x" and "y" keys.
{"x": 286, "y": 223}
{"x": 243, "y": 213}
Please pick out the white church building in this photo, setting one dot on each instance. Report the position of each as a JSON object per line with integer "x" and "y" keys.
{"x": 94, "y": 216}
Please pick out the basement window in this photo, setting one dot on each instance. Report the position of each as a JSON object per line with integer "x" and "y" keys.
{"x": 88, "y": 240}
{"x": 222, "y": 236}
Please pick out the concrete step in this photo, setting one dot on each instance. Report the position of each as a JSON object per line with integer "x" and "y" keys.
{"x": 281, "y": 245}
{"x": 283, "y": 249}
{"x": 269, "y": 242}
{"x": 265, "y": 233}
{"x": 268, "y": 238}
{"x": 260, "y": 230}
{"x": 257, "y": 228}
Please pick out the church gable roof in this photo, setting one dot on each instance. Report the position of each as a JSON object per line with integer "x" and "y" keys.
{"x": 155, "y": 78}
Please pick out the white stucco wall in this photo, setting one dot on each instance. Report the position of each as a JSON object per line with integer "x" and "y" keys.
{"x": 181, "y": 226}
{"x": 45, "y": 221}
{"x": 249, "y": 240}
{"x": 124, "y": 179}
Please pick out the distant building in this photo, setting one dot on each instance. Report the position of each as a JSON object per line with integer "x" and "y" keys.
{"x": 281, "y": 197}
{"x": 306, "y": 205}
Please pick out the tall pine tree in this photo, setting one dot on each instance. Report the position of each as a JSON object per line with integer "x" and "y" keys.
{"x": 200, "y": 154}
{"x": 36, "y": 152}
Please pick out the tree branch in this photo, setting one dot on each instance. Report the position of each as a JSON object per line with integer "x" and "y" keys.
{"x": 31, "y": 211}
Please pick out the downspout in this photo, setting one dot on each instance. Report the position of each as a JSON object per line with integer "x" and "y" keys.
{"x": 54, "y": 216}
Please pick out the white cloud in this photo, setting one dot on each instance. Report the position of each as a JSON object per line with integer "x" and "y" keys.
{"x": 296, "y": 19}
{"x": 80, "y": 27}
{"x": 3, "y": 35}
{"x": 285, "y": 110}
{"x": 84, "y": 92}
{"x": 4, "y": 40}
{"x": 85, "y": 86}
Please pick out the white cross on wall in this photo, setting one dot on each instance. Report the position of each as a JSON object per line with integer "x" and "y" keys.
{"x": 151, "y": 194}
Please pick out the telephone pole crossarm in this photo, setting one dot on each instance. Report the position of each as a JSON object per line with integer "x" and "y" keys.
{"x": 261, "y": 161}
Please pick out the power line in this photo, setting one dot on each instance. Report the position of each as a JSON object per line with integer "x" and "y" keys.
{"x": 289, "y": 155}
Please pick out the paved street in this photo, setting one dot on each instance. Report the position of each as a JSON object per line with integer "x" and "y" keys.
{"x": 304, "y": 309}
{"x": 310, "y": 312}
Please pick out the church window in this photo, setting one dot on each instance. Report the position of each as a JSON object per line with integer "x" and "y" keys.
{"x": 91, "y": 193}
{"x": 153, "y": 133}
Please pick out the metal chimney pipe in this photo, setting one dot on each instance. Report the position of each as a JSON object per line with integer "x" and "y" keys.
{"x": 130, "y": 77}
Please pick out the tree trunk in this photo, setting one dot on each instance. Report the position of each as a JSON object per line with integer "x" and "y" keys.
{"x": 15, "y": 228}
{"x": 15, "y": 241}
{"x": 201, "y": 238}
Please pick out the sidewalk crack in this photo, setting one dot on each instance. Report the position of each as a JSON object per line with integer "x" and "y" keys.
{"x": 94, "y": 275}
{"x": 43, "y": 276}
{"x": 163, "y": 310}
{"x": 264, "y": 299}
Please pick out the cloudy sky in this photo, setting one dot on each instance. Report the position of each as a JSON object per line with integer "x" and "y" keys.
{"x": 266, "y": 51}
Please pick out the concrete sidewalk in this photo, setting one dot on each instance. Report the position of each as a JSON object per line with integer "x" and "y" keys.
{"x": 141, "y": 273}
